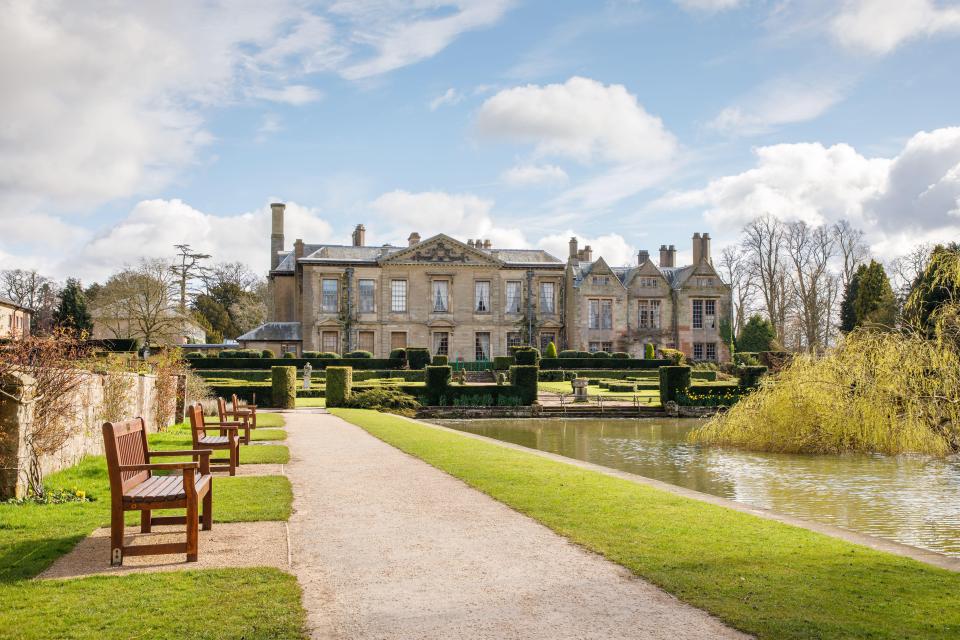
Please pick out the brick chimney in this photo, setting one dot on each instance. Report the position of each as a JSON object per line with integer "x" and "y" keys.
{"x": 487, "y": 244}
{"x": 469, "y": 242}
{"x": 298, "y": 249}
{"x": 574, "y": 254}
{"x": 697, "y": 249}
{"x": 642, "y": 256}
{"x": 276, "y": 234}
{"x": 705, "y": 252}
{"x": 587, "y": 254}
{"x": 413, "y": 239}
{"x": 359, "y": 236}
{"x": 668, "y": 255}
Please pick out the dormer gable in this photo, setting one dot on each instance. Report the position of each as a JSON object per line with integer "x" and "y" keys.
{"x": 442, "y": 249}
{"x": 601, "y": 275}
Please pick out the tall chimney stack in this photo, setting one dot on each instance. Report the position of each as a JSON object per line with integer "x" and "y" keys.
{"x": 487, "y": 244}
{"x": 697, "y": 249}
{"x": 276, "y": 233}
{"x": 588, "y": 254}
{"x": 413, "y": 239}
{"x": 664, "y": 256}
{"x": 642, "y": 256}
{"x": 705, "y": 252}
{"x": 574, "y": 254}
{"x": 469, "y": 242}
{"x": 359, "y": 236}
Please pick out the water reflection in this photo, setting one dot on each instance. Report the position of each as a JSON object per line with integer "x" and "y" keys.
{"x": 910, "y": 499}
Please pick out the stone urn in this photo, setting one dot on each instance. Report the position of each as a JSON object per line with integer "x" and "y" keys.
{"x": 579, "y": 389}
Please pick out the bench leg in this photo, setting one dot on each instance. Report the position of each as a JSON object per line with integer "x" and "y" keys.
{"x": 193, "y": 526}
{"x": 145, "y": 521}
{"x": 208, "y": 509}
{"x": 234, "y": 457}
{"x": 116, "y": 537}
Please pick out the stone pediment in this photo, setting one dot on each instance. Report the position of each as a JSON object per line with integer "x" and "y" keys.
{"x": 442, "y": 249}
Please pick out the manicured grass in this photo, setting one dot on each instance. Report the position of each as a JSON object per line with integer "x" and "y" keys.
{"x": 311, "y": 402}
{"x": 265, "y": 435}
{"x": 761, "y": 576}
{"x": 178, "y": 437}
{"x": 594, "y": 390}
{"x": 269, "y": 420}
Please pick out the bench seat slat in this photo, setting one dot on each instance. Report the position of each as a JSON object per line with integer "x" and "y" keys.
{"x": 164, "y": 489}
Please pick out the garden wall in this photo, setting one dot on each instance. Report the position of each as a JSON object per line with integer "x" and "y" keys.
{"x": 97, "y": 402}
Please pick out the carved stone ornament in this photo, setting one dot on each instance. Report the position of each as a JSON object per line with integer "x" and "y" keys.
{"x": 440, "y": 252}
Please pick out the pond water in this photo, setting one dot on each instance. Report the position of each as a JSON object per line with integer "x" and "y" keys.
{"x": 910, "y": 499}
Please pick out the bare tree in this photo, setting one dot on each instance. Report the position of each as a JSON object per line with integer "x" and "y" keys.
{"x": 189, "y": 268}
{"x": 234, "y": 274}
{"x": 851, "y": 247}
{"x": 763, "y": 246}
{"x": 735, "y": 271}
{"x": 135, "y": 303}
{"x": 907, "y": 268}
{"x": 30, "y": 289}
{"x": 810, "y": 251}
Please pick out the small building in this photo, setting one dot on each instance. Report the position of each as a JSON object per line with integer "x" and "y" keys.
{"x": 15, "y": 319}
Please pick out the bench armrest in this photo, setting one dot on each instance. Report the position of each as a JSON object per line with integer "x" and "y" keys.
{"x": 227, "y": 425}
{"x": 182, "y": 452}
{"x": 160, "y": 466}
{"x": 221, "y": 427}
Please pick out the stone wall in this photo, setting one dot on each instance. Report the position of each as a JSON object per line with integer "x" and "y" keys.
{"x": 85, "y": 436}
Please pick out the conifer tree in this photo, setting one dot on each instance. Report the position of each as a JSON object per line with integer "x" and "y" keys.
{"x": 72, "y": 312}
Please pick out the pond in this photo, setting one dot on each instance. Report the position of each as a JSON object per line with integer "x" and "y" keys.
{"x": 914, "y": 500}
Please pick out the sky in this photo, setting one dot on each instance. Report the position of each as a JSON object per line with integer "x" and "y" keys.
{"x": 127, "y": 128}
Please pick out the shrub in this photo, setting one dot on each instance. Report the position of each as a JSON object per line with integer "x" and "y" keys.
{"x": 524, "y": 378}
{"x": 193, "y": 355}
{"x": 673, "y": 381}
{"x": 746, "y": 358}
{"x": 676, "y": 356}
{"x": 328, "y": 355}
{"x": 339, "y": 385}
{"x": 750, "y": 376}
{"x": 284, "y": 387}
{"x": 551, "y": 351}
{"x": 311, "y": 354}
{"x": 358, "y": 354}
{"x": 418, "y": 357}
{"x": 603, "y": 355}
{"x": 649, "y": 351}
{"x": 438, "y": 379}
{"x": 502, "y": 363}
{"x": 266, "y": 353}
{"x": 383, "y": 400}
{"x": 439, "y": 360}
{"x": 568, "y": 354}
{"x": 527, "y": 357}
{"x": 398, "y": 354}
{"x": 289, "y": 354}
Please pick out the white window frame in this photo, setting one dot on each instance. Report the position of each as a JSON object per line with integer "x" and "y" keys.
{"x": 481, "y": 303}
{"x": 440, "y": 296}
{"x": 398, "y": 296}
{"x": 514, "y": 296}
{"x": 548, "y": 303}
{"x": 441, "y": 343}
{"x": 367, "y": 303}
{"x": 327, "y": 304}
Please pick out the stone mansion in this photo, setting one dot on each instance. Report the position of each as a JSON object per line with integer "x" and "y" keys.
{"x": 471, "y": 300}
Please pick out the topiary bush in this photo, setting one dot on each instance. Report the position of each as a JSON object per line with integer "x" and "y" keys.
{"x": 750, "y": 376}
{"x": 439, "y": 360}
{"x": 358, "y": 354}
{"x": 502, "y": 363}
{"x": 649, "y": 351}
{"x": 524, "y": 378}
{"x": 284, "y": 387}
{"x": 438, "y": 379}
{"x": 383, "y": 400}
{"x": 679, "y": 358}
{"x": 566, "y": 353}
{"x": 527, "y": 357}
{"x": 674, "y": 380}
{"x": 311, "y": 354}
{"x": 193, "y": 355}
{"x": 551, "y": 351}
{"x": 339, "y": 385}
{"x": 289, "y": 354}
{"x": 266, "y": 353}
{"x": 328, "y": 355}
{"x": 418, "y": 357}
{"x": 398, "y": 354}
{"x": 620, "y": 355}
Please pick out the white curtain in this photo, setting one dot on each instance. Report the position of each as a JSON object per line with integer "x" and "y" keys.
{"x": 513, "y": 297}
{"x": 440, "y": 295}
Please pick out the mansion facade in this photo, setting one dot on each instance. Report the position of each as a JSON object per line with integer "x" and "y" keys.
{"x": 472, "y": 301}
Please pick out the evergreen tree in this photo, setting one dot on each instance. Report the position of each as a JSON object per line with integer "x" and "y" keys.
{"x": 868, "y": 300}
{"x": 848, "y": 317}
{"x": 939, "y": 284}
{"x": 551, "y": 351}
{"x": 757, "y": 335}
{"x": 72, "y": 312}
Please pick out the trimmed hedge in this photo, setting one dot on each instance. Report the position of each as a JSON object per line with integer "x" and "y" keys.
{"x": 601, "y": 363}
{"x": 750, "y": 376}
{"x": 556, "y": 376}
{"x": 339, "y": 385}
{"x": 524, "y": 378}
{"x": 602, "y": 355}
{"x": 438, "y": 381}
{"x": 526, "y": 357}
{"x": 283, "y": 387}
{"x": 620, "y": 355}
{"x": 710, "y": 376}
{"x": 502, "y": 363}
{"x": 482, "y": 395}
{"x": 358, "y": 354}
{"x": 673, "y": 381}
{"x": 316, "y": 363}
{"x": 398, "y": 354}
{"x": 417, "y": 357}
{"x": 267, "y": 353}
{"x": 260, "y": 394}
{"x": 240, "y": 353}
{"x": 439, "y": 360}
{"x": 649, "y": 351}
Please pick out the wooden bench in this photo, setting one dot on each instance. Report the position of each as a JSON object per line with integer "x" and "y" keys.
{"x": 241, "y": 417}
{"x": 134, "y": 487}
{"x": 228, "y": 440}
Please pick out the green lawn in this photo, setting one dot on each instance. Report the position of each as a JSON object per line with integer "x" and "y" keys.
{"x": 178, "y": 437}
{"x": 263, "y": 603}
{"x": 594, "y": 390}
{"x": 761, "y": 576}
{"x": 311, "y": 402}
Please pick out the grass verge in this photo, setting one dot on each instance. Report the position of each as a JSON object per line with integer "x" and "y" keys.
{"x": 310, "y": 402}
{"x": 763, "y": 577}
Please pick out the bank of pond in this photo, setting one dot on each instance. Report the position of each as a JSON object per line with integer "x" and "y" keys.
{"x": 910, "y": 499}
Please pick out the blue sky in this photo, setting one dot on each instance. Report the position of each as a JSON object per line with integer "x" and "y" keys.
{"x": 629, "y": 124}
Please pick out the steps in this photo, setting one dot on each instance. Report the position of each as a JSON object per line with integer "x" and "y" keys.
{"x": 594, "y": 411}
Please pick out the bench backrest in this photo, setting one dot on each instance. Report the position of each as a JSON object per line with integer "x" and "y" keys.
{"x": 222, "y": 410}
{"x": 125, "y": 443}
{"x": 197, "y": 426}
{"x": 235, "y": 401}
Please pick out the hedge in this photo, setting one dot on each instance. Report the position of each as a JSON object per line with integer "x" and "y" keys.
{"x": 603, "y": 355}
{"x": 398, "y": 354}
{"x": 316, "y": 363}
{"x": 267, "y": 353}
{"x": 260, "y": 394}
{"x": 673, "y": 380}
{"x": 417, "y": 357}
{"x": 339, "y": 383}
{"x": 601, "y": 363}
{"x": 526, "y": 357}
{"x": 472, "y": 395}
{"x": 556, "y": 376}
{"x": 438, "y": 380}
{"x": 524, "y": 378}
{"x": 502, "y": 363}
{"x": 710, "y": 376}
{"x": 284, "y": 387}
{"x": 240, "y": 353}
{"x": 439, "y": 360}
{"x": 358, "y": 354}
{"x": 750, "y": 376}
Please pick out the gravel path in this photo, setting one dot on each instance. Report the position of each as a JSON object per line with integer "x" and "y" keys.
{"x": 386, "y": 546}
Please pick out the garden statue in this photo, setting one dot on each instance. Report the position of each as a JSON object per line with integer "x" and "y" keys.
{"x": 579, "y": 389}
{"x": 307, "y": 371}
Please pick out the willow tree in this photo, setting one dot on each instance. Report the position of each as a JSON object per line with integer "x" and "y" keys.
{"x": 937, "y": 287}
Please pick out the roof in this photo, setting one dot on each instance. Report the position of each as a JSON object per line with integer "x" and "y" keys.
{"x": 274, "y": 332}
{"x": 675, "y": 276}
{"x": 7, "y": 302}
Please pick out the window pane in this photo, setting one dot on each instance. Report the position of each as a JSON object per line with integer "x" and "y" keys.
{"x": 698, "y": 351}
{"x": 441, "y": 343}
{"x": 482, "y": 346}
{"x": 698, "y": 314}
{"x": 331, "y": 341}
{"x": 513, "y": 339}
{"x": 546, "y": 297}
{"x": 655, "y": 314}
{"x": 398, "y": 298}
{"x": 513, "y": 297}
{"x": 328, "y": 300}
{"x": 366, "y": 296}
{"x": 440, "y": 299}
{"x": 711, "y": 351}
{"x": 594, "y": 322}
{"x": 483, "y": 296}
{"x": 606, "y": 314}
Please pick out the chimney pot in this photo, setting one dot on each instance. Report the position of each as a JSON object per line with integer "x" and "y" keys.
{"x": 642, "y": 256}
{"x": 413, "y": 239}
{"x": 487, "y": 244}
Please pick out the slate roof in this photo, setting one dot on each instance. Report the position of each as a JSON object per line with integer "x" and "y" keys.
{"x": 674, "y": 275}
{"x": 7, "y": 302}
{"x": 274, "y": 332}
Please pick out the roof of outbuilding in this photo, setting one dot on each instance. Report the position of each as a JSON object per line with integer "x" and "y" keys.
{"x": 274, "y": 332}
{"x": 7, "y": 302}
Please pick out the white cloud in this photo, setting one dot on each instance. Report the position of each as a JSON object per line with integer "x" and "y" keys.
{"x": 915, "y": 194}
{"x": 462, "y": 216}
{"x": 581, "y": 119}
{"x": 451, "y": 96}
{"x": 708, "y": 6}
{"x": 293, "y": 94}
{"x": 782, "y": 102}
{"x": 523, "y": 175}
{"x": 401, "y": 33}
{"x": 880, "y": 26}
{"x": 614, "y": 249}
